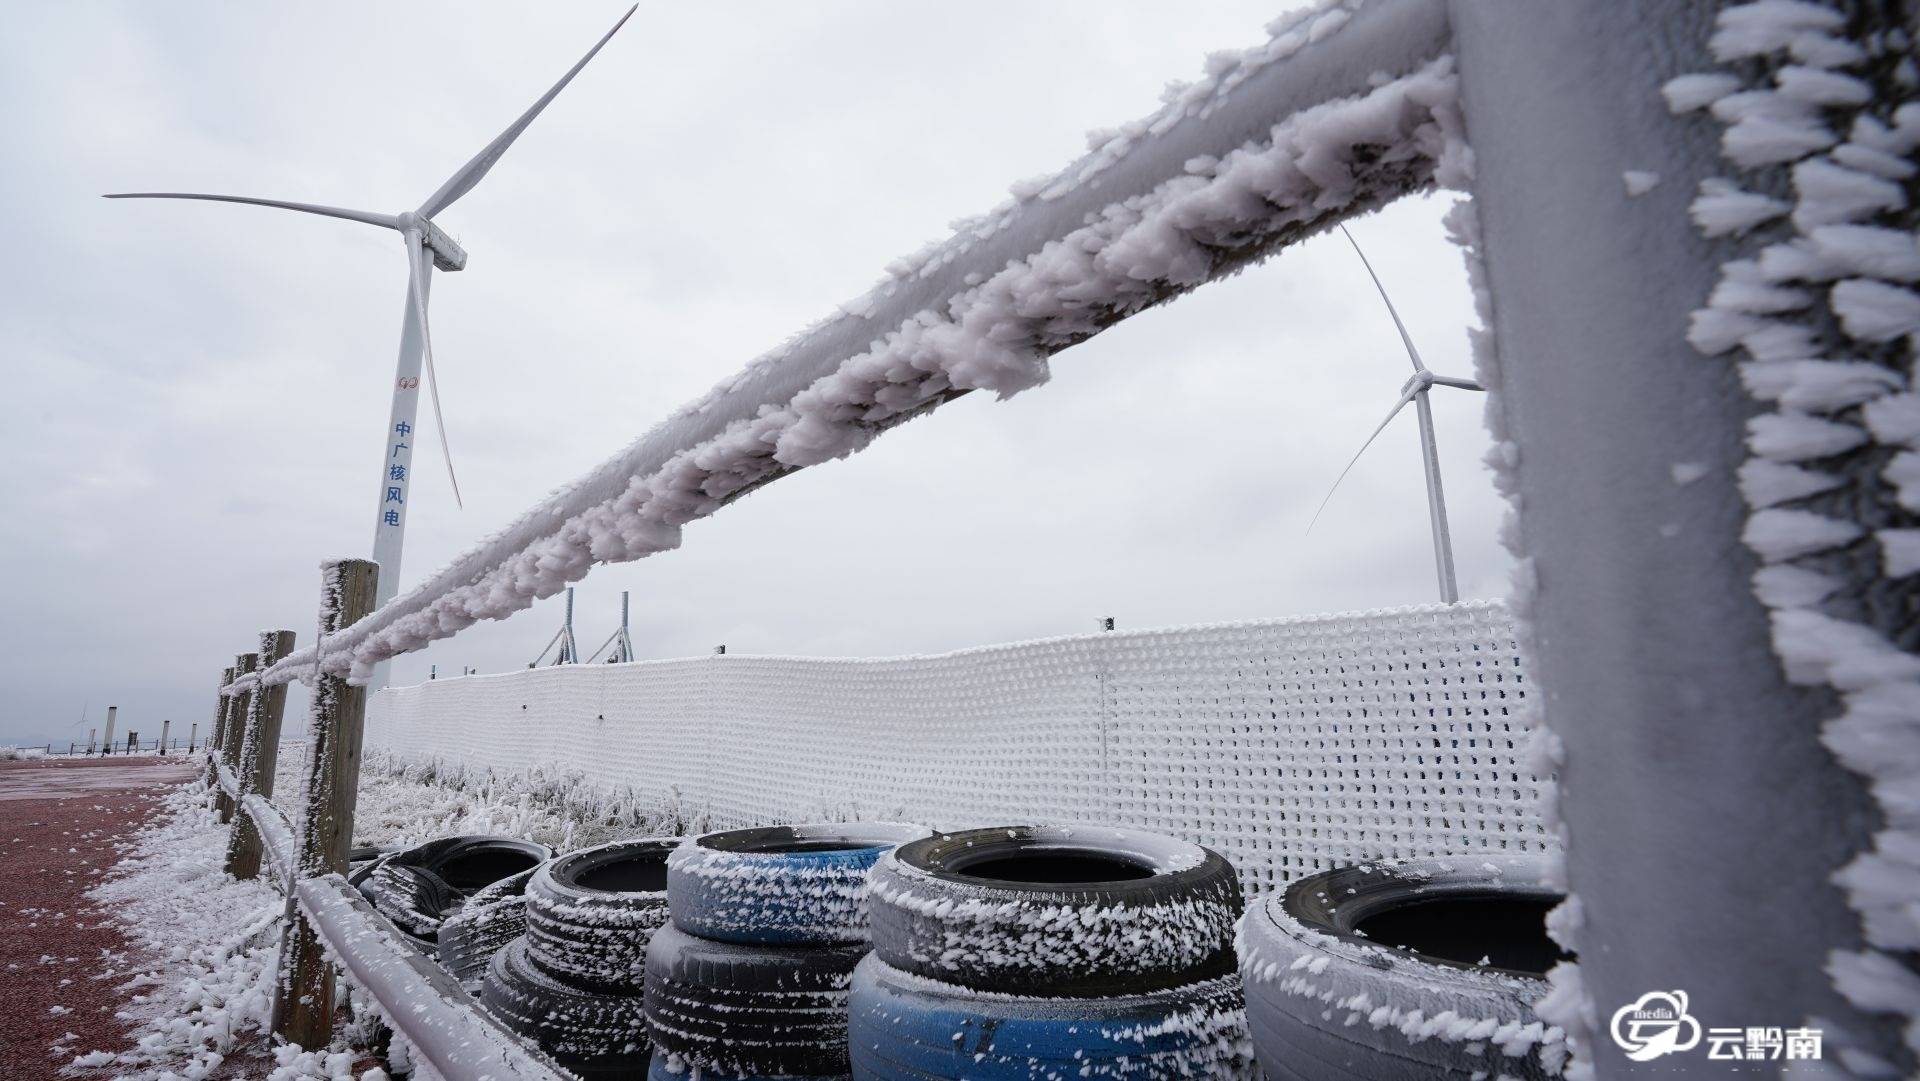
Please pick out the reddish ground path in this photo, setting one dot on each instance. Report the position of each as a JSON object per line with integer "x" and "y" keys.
{"x": 59, "y": 821}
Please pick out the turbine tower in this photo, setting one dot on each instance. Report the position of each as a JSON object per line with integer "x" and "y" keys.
{"x": 427, "y": 247}
{"x": 1413, "y": 390}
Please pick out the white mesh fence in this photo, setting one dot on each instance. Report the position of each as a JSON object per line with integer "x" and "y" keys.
{"x": 1288, "y": 745}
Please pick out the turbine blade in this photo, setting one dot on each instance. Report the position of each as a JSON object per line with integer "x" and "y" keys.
{"x": 385, "y": 221}
{"x": 1454, "y": 381}
{"x": 463, "y": 181}
{"x": 1412, "y": 353}
{"x": 1405, "y": 397}
{"x": 419, "y": 268}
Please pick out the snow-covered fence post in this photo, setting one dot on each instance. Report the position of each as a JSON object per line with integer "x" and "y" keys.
{"x": 303, "y": 992}
{"x": 166, "y": 727}
{"x": 106, "y": 745}
{"x": 232, "y": 735}
{"x": 259, "y": 754}
{"x": 1703, "y": 818}
{"x": 213, "y": 731}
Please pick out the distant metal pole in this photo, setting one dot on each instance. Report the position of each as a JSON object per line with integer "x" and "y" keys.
{"x": 626, "y": 639}
{"x": 165, "y": 727}
{"x": 91, "y": 732}
{"x": 568, "y": 652}
{"x": 1106, "y": 623}
{"x": 720, "y": 650}
{"x": 192, "y": 734}
{"x": 106, "y": 745}
{"x": 433, "y": 671}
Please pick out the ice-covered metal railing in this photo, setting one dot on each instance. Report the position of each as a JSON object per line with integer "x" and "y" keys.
{"x": 1347, "y": 107}
{"x": 416, "y": 997}
{"x": 1289, "y": 745}
{"x": 228, "y": 783}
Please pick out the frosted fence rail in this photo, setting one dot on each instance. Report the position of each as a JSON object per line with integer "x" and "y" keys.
{"x": 1290, "y": 745}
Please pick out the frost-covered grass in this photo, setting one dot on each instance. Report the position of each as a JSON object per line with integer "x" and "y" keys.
{"x": 406, "y": 801}
{"x": 204, "y": 947}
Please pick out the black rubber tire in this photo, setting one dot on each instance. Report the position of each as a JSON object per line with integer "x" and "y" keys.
{"x": 412, "y": 888}
{"x": 494, "y": 916}
{"x": 590, "y": 914}
{"x": 412, "y": 897}
{"x": 1327, "y": 1004}
{"x": 469, "y": 862}
{"x": 750, "y": 1011}
{"x": 903, "y": 1027}
{"x": 1064, "y": 920}
{"x": 797, "y": 885}
{"x": 592, "y": 1034}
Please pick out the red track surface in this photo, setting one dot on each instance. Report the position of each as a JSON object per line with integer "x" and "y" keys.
{"x": 59, "y": 821}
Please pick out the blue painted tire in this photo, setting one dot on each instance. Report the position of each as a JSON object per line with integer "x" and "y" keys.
{"x": 903, "y": 1027}
{"x": 800, "y": 885}
{"x": 666, "y": 1068}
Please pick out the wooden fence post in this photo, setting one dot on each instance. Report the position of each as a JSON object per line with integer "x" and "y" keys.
{"x": 259, "y": 755}
{"x": 231, "y": 736}
{"x": 213, "y": 731}
{"x": 303, "y": 994}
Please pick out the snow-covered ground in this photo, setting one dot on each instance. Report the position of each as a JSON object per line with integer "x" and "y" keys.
{"x": 203, "y": 947}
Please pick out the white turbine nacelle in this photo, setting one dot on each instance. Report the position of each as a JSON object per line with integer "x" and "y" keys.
{"x": 447, "y": 254}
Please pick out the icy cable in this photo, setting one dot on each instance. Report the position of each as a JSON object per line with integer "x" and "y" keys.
{"x": 1821, "y": 124}
{"x": 1289, "y": 746}
{"x": 1320, "y": 159}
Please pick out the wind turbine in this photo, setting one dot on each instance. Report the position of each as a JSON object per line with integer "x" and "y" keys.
{"x": 422, "y": 239}
{"x": 1413, "y": 390}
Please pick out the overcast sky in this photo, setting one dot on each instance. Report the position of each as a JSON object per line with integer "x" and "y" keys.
{"x": 196, "y": 393}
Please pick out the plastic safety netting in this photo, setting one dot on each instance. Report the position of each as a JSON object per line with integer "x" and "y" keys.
{"x": 1289, "y": 745}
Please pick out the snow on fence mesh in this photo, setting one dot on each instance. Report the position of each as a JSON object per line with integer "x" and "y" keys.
{"x": 1290, "y": 745}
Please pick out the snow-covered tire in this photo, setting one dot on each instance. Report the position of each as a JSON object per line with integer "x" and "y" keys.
{"x": 800, "y": 885}
{"x": 1327, "y": 1004}
{"x": 419, "y": 888}
{"x": 591, "y": 913}
{"x": 903, "y": 1027}
{"x": 1055, "y": 910}
{"x": 592, "y": 1034}
{"x": 735, "y": 1010}
{"x": 494, "y": 916}
{"x": 472, "y": 861}
{"x": 415, "y": 899}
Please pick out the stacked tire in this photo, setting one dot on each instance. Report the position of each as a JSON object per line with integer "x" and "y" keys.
{"x": 751, "y": 979}
{"x": 490, "y": 919}
{"x": 1420, "y": 971}
{"x": 574, "y": 982}
{"x": 1050, "y": 951}
{"x": 422, "y": 887}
